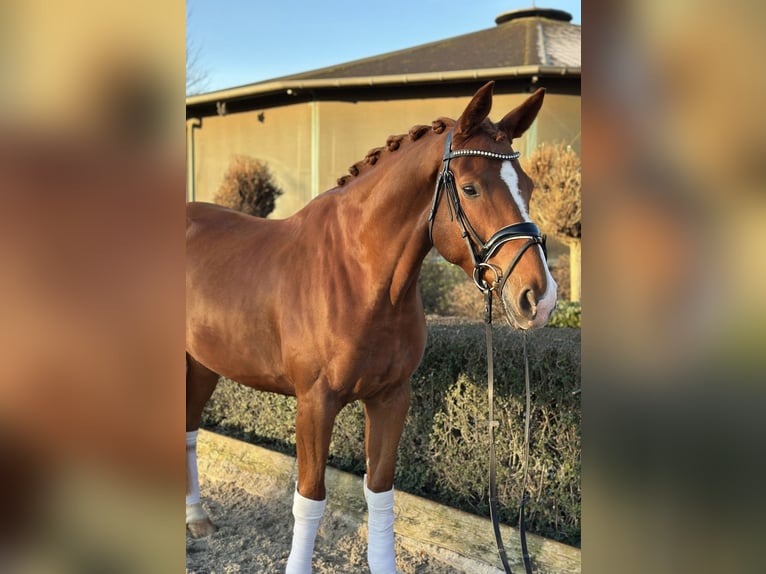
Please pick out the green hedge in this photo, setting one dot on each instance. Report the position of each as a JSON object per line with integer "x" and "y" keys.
{"x": 438, "y": 281}
{"x": 444, "y": 449}
{"x": 566, "y": 314}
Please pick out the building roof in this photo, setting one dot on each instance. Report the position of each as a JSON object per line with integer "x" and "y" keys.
{"x": 528, "y": 43}
{"x": 529, "y": 37}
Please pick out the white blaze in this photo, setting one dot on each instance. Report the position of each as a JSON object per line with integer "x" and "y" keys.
{"x": 548, "y": 301}
{"x": 511, "y": 179}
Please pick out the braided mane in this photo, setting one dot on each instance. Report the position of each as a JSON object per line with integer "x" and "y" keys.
{"x": 414, "y": 134}
{"x": 392, "y": 144}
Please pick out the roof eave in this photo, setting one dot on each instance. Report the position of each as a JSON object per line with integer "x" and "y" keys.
{"x": 273, "y": 87}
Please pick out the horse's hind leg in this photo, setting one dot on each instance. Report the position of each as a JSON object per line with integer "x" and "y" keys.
{"x": 384, "y": 415}
{"x": 200, "y": 384}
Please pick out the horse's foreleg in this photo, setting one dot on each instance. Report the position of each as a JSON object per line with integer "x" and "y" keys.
{"x": 384, "y": 415}
{"x": 313, "y": 430}
{"x": 200, "y": 384}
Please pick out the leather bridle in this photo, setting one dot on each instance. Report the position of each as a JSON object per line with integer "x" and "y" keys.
{"x": 481, "y": 252}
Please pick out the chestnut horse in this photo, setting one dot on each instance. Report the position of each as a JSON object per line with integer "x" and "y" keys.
{"x": 324, "y": 305}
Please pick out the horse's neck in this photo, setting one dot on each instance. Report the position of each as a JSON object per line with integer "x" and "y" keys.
{"x": 393, "y": 199}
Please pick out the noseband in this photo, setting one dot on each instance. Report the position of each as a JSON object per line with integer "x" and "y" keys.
{"x": 481, "y": 251}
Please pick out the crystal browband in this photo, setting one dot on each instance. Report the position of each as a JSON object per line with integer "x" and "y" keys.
{"x": 483, "y": 153}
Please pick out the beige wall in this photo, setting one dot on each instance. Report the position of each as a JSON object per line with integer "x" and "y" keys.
{"x": 282, "y": 140}
{"x": 349, "y": 130}
{"x": 339, "y": 134}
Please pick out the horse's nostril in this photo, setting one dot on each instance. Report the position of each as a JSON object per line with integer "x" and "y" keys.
{"x": 528, "y": 303}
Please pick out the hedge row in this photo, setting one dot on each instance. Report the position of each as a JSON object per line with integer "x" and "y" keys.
{"x": 444, "y": 449}
{"x": 566, "y": 314}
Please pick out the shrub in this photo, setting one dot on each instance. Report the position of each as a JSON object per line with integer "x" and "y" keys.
{"x": 443, "y": 451}
{"x": 557, "y": 200}
{"x": 437, "y": 279}
{"x": 248, "y": 186}
{"x": 561, "y": 272}
{"x": 567, "y": 314}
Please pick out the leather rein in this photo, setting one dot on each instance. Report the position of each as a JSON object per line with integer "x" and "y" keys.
{"x": 481, "y": 252}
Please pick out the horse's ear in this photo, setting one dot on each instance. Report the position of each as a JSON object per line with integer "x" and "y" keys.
{"x": 477, "y": 109}
{"x": 518, "y": 120}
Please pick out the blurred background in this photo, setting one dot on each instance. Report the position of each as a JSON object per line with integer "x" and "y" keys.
{"x": 92, "y": 187}
{"x": 674, "y": 151}
{"x": 91, "y": 296}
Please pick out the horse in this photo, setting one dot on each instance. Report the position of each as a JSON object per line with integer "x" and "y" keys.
{"x": 324, "y": 305}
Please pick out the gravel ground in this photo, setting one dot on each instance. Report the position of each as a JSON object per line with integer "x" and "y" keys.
{"x": 255, "y": 532}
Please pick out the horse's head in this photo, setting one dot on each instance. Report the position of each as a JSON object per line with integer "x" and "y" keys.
{"x": 480, "y": 219}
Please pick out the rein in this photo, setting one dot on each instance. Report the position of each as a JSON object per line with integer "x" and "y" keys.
{"x": 481, "y": 252}
{"x": 493, "y": 424}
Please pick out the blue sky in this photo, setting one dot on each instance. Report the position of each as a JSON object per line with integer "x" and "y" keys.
{"x": 244, "y": 41}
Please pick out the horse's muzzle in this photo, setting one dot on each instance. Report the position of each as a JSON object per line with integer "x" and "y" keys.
{"x": 528, "y": 307}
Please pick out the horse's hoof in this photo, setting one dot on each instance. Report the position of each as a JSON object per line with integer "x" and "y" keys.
{"x": 198, "y": 523}
{"x": 201, "y": 528}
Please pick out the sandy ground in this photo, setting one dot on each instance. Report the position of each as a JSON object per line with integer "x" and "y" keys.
{"x": 248, "y": 492}
{"x": 255, "y": 532}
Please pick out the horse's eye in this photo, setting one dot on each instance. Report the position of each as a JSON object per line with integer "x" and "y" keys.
{"x": 470, "y": 191}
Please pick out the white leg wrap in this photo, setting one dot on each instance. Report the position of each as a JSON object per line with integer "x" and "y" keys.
{"x": 308, "y": 514}
{"x": 192, "y": 488}
{"x": 380, "y": 524}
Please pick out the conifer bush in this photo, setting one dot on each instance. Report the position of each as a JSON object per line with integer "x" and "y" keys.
{"x": 248, "y": 186}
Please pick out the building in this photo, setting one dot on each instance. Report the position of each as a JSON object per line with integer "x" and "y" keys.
{"x": 310, "y": 127}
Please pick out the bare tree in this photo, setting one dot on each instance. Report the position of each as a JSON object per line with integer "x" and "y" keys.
{"x": 196, "y": 76}
{"x": 556, "y": 203}
{"x": 248, "y": 186}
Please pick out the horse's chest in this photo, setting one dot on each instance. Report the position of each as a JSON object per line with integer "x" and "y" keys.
{"x": 361, "y": 359}
{"x": 398, "y": 347}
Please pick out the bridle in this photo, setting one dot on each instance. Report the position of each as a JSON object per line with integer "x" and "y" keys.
{"x": 481, "y": 252}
